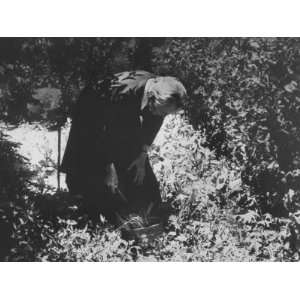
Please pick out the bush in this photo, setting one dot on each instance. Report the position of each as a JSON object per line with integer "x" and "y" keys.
{"x": 13, "y": 178}
{"x": 245, "y": 97}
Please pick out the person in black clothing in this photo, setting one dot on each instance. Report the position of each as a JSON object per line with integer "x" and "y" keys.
{"x": 113, "y": 126}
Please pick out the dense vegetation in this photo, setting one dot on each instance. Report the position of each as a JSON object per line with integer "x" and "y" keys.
{"x": 233, "y": 176}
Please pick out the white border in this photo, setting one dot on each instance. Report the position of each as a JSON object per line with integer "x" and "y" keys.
{"x": 148, "y": 281}
{"x": 150, "y": 18}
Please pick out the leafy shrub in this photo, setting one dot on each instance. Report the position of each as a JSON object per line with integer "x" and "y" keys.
{"x": 14, "y": 175}
{"x": 26, "y": 207}
{"x": 245, "y": 97}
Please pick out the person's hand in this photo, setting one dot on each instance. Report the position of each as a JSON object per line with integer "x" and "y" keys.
{"x": 139, "y": 165}
{"x": 111, "y": 179}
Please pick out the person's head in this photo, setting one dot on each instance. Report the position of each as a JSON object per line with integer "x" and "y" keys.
{"x": 164, "y": 95}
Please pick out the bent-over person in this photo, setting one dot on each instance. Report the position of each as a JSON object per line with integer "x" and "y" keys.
{"x": 113, "y": 126}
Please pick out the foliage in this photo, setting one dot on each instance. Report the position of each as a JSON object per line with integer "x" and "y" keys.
{"x": 245, "y": 97}
{"x": 27, "y": 203}
{"x": 31, "y": 67}
{"x": 14, "y": 174}
{"x": 234, "y": 182}
{"x": 208, "y": 225}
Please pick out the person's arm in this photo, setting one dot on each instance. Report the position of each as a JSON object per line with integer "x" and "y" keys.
{"x": 149, "y": 129}
{"x": 150, "y": 126}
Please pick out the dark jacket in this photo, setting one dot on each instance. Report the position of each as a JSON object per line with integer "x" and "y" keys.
{"x": 109, "y": 126}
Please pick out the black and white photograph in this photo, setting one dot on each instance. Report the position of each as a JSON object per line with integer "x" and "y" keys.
{"x": 150, "y": 149}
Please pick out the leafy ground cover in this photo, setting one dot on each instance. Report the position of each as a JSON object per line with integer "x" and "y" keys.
{"x": 208, "y": 225}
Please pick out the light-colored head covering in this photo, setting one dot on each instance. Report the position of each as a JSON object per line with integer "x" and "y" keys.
{"x": 163, "y": 89}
